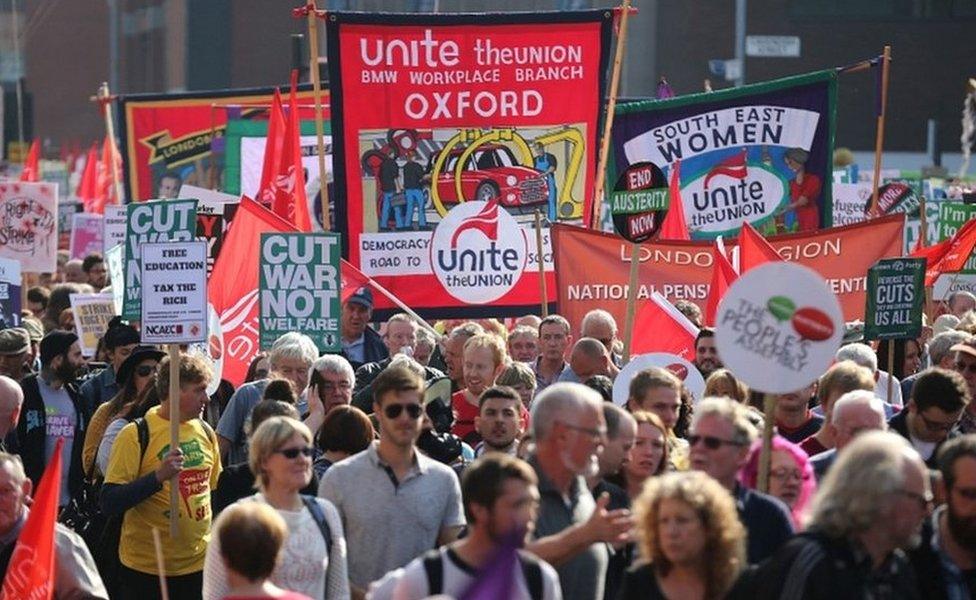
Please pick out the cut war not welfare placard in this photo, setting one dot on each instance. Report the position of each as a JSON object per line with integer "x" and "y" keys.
{"x": 299, "y": 287}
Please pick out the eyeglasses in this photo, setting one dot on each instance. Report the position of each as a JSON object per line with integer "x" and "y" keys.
{"x": 784, "y": 473}
{"x": 332, "y": 387}
{"x": 712, "y": 443}
{"x": 965, "y": 368}
{"x": 924, "y": 500}
{"x": 393, "y": 411}
{"x": 938, "y": 425}
{"x": 595, "y": 433}
{"x": 145, "y": 370}
{"x": 292, "y": 453}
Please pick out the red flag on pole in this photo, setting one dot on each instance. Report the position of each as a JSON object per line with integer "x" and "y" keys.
{"x": 86, "y": 187}
{"x": 352, "y": 280}
{"x": 233, "y": 285}
{"x": 290, "y": 201}
{"x": 663, "y": 329}
{"x": 948, "y": 255}
{"x": 32, "y": 169}
{"x": 674, "y": 226}
{"x": 754, "y": 250}
{"x": 105, "y": 181}
{"x": 272, "y": 152}
{"x": 30, "y": 573}
{"x": 723, "y": 275}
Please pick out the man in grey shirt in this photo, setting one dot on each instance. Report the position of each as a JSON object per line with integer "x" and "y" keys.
{"x": 395, "y": 502}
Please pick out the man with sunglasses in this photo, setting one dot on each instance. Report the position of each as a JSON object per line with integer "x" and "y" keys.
{"x": 964, "y": 363}
{"x": 938, "y": 400}
{"x": 395, "y": 502}
{"x": 720, "y": 437}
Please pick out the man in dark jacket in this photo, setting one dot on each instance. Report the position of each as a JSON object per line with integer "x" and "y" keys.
{"x": 53, "y": 410}
{"x": 360, "y": 343}
{"x": 938, "y": 400}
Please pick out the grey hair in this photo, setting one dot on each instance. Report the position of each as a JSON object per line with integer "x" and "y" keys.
{"x": 857, "y": 489}
{"x": 959, "y": 294}
{"x": 589, "y": 347}
{"x": 424, "y": 336}
{"x": 857, "y": 398}
{"x": 293, "y": 345}
{"x": 598, "y": 315}
{"x": 727, "y": 409}
{"x": 408, "y": 362}
{"x": 861, "y": 354}
{"x": 524, "y": 330}
{"x": 562, "y": 400}
{"x": 468, "y": 329}
{"x": 940, "y": 344}
{"x": 16, "y": 464}
{"x": 333, "y": 363}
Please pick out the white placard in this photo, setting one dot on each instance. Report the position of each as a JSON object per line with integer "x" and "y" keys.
{"x": 92, "y": 315}
{"x": 114, "y": 226}
{"x": 773, "y": 46}
{"x": 688, "y": 373}
{"x": 174, "y": 287}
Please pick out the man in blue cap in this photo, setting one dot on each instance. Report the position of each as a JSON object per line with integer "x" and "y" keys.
{"x": 361, "y": 344}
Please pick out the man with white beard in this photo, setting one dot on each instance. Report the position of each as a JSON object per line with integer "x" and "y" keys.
{"x": 573, "y": 528}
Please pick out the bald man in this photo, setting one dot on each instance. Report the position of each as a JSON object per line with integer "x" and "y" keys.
{"x": 589, "y": 357}
{"x": 11, "y": 399}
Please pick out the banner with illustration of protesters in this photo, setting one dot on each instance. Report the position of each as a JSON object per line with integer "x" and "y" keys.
{"x": 759, "y": 153}
{"x": 29, "y": 225}
{"x": 172, "y": 139}
{"x": 453, "y": 130}
{"x": 593, "y": 267}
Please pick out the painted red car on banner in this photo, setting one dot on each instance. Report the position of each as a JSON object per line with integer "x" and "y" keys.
{"x": 492, "y": 171}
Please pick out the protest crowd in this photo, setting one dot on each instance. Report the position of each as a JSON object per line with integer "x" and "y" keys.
{"x": 389, "y": 382}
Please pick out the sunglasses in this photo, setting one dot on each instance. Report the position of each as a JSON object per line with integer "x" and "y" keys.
{"x": 294, "y": 452}
{"x": 145, "y": 370}
{"x": 393, "y": 411}
{"x": 712, "y": 443}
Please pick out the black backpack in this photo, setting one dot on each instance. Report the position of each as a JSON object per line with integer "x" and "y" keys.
{"x": 313, "y": 507}
{"x": 434, "y": 567}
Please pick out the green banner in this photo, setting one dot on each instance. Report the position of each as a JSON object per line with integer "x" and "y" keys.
{"x": 152, "y": 221}
{"x": 895, "y": 295}
{"x": 299, "y": 287}
{"x": 639, "y": 201}
{"x": 952, "y": 216}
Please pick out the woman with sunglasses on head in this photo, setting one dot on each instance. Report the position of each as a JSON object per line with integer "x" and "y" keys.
{"x": 314, "y": 554}
{"x": 790, "y": 476}
{"x": 692, "y": 545}
{"x": 134, "y": 375}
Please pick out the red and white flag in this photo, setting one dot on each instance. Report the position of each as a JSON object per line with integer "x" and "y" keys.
{"x": 32, "y": 169}
{"x": 105, "y": 181}
{"x": 273, "y": 150}
{"x": 352, "y": 280}
{"x": 674, "y": 226}
{"x": 660, "y": 327}
{"x": 754, "y": 250}
{"x": 290, "y": 201}
{"x": 723, "y": 275}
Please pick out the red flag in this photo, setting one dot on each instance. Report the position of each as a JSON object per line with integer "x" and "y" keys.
{"x": 105, "y": 182}
{"x": 86, "y": 187}
{"x": 272, "y": 152}
{"x": 723, "y": 275}
{"x": 30, "y": 573}
{"x": 352, "y": 280}
{"x": 733, "y": 166}
{"x": 290, "y": 199}
{"x": 948, "y": 255}
{"x": 754, "y": 250}
{"x": 32, "y": 169}
{"x": 660, "y": 327}
{"x": 674, "y": 226}
{"x": 233, "y": 285}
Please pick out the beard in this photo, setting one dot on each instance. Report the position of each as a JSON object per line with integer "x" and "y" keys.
{"x": 66, "y": 372}
{"x": 963, "y": 529}
{"x": 591, "y": 468}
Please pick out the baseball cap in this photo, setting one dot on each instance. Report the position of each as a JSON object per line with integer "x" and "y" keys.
{"x": 14, "y": 340}
{"x": 362, "y": 296}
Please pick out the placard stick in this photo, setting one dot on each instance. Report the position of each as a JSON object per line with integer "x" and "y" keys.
{"x": 601, "y": 169}
{"x": 405, "y": 309}
{"x": 313, "y": 71}
{"x": 891, "y": 367}
{"x": 174, "y": 436}
{"x": 923, "y": 239}
{"x": 542, "y": 265}
{"x": 631, "y": 300}
{"x": 766, "y": 455}
{"x": 160, "y": 564}
{"x": 879, "y": 138}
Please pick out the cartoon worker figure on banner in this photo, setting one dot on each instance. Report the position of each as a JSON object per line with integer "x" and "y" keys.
{"x": 413, "y": 176}
{"x": 389, "y": 185}
{"x": 804, "y": 192}
{"x": 545, "y": 162}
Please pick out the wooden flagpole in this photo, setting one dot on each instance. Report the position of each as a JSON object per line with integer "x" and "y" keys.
{"x": 766, "y": 454}
{"x": 160, "y": 564}
{"x": 891, "y": 369}
{"x": 542, "y": 265}
{"x": 879, "y": 138}
{"x": 631, "y": 301}
{"x": 923, "y": 233}
{"x": 174, "y": 436}
{"x": 104, "y": 99}
{"x": 608, "y": 120}
{"x": 313, "y": 71}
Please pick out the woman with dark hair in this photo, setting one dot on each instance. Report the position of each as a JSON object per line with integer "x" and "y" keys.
{"x": 258, "y": 369}
{"x": 345, "y": 431}
{"x": 908, "y": 357}
{"x": 134, "y": 410}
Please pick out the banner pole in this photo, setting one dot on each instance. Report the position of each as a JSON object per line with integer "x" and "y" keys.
{"x": 542, "y": 265}
{"x": 174, "y": 436}
{"x": 879, "y": 139}
{"x": 160, "y": 564}
{"x": 923, "y": 239}
{"x": 631, "y": 301}
{"x": 891, "y": 368}
{"x": 405, "y": 308}
{"x": 313, "y": 71}
{"x": 104, "y": 100}
{"x": 608, "y": 121}
{"x": 766, "y": 454}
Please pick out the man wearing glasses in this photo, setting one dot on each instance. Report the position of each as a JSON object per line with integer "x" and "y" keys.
{"x": 395, "y": 502}
{"x": 721, "y": 434}
{"x": 964, "y": 363}
{"x": 939, "y": 398}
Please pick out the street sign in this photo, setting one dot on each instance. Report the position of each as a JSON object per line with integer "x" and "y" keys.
{"x": 773, "y": 46}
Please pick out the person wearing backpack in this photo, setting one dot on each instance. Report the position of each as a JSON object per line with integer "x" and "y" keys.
{"x": 313, "y": 559}
{"x": 501, "y": 499}
{"x": 137, "y": 484}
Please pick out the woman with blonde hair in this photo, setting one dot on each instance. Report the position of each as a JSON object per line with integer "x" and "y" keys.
{"x": 691, "y": 542}
{"x": 723, "y": 383}
{"x": 648, "y": 455}
{"x": 314, "y": 554}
